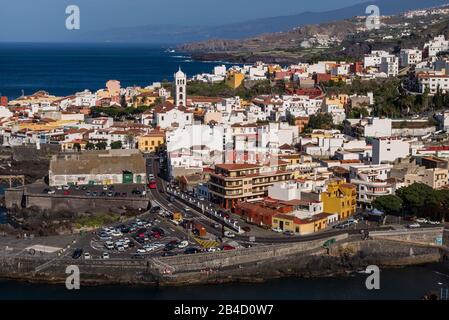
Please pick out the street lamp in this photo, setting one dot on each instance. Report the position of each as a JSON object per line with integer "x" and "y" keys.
{"x": 443, "y": 291}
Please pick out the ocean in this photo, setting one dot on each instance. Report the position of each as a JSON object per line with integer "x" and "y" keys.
{"x": 63, "y": 69}
{"x": 410, "y": 283}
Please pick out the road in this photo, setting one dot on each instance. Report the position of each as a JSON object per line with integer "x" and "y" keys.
{"x": 153, "y": 167}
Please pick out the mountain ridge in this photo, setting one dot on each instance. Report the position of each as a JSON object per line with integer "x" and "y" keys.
{"x": 171, "y": 34}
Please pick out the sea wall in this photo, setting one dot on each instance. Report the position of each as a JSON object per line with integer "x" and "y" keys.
{"x": 347, "y": 255}
{"x": 425, "y": 236}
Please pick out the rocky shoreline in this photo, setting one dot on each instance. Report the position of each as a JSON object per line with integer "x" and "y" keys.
{"x": 342, "y": 260}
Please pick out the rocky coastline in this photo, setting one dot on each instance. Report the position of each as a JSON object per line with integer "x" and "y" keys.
{"x": 340, "y": 261}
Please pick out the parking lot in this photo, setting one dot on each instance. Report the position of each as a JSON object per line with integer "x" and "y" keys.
{"x": 153, "y": 234}
{"x": 106, "y": 191}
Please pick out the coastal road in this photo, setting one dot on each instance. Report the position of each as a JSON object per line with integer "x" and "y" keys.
{"x": 153, "y": 167}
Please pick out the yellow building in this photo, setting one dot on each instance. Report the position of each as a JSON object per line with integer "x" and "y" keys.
{"x": 235, "y": 80}
{"x": 340, "y": 198}
{"x": 70, "y": 145}
{"x": 151, "y": 141}
{"x": 293, "y": 224}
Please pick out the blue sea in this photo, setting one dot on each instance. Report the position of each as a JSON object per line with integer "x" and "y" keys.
{"x": 63, "y": 69}
{"x": 410, "y": 283}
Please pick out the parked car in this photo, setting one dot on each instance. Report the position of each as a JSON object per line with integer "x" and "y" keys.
{"x": 104, "y": 236}
{"x": 105, "y": 255}
{"x": 434, "y": 222}
{"x": 216, "y": 225}
{"x": 229, "y": 234}
{"x": 192, "y": 250}
{"x": 278, "y": 230}
{"x": 228, "y": 247}
{"x": 109, "y": 245}
{"x": 421, "y": 220}
{"x": 413, "y": 226}
{"x": 116, "y": 233}
{"x": 87, "y": 256}
{"x": 289, "y": 233}
{"x": 77, "y": 253}
{"x": 183, "y": 244}
{"x": 169, "y": 254}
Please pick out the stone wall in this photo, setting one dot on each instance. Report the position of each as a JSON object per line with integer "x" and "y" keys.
{"x": 223, "y": 259}
{"x": 14, "y": 198}
{"x": 83, "y": 203}
{"x": 425, "y": 236}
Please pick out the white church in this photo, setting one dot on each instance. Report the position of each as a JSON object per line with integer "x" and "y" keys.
{"x": 168, "y": 115}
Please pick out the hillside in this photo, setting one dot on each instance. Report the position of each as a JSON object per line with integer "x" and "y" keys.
{"x": 176, "y": 34}
{"x": 340, "y": 39}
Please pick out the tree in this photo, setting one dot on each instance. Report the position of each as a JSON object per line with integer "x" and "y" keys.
{"x": 390, "y": 204}
{"x": 90, "y": 146}
{"x": 116, "y": 145}
{"x": 420, "y": 200}
{"x": 101, "y": 145}
{"x": 320, "y": 121}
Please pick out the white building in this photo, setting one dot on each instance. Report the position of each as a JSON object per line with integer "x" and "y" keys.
{"x": 437, "y": 45}
{"x": 433, "y": 82}
{"x": 409, "y": 57}
{"x": 389, "y": 65}
{"x": 5, "y": 113}
{"x": 377, "y": 127}
{"x": 388, "y": 149}
{"x": 374, "y": 59}
{"x": 167, "y": 116}
{"x": 371, "y": 182}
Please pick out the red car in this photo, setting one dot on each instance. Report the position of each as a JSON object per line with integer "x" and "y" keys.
{"x": 66, "y": 192}
{"x": 152, "y": 184}
{"x": 156, "y": 235}
{"x": 225, "y": 248}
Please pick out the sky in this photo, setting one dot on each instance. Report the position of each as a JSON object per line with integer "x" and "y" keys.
{"x": 45, "y": 20}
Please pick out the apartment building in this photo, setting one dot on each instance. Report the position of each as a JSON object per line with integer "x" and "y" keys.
{"x": 231, "y": 183}
{"x": 435, "y": 178}
{"x": 409, "y": 57}
{"x": 371, "y": 181}
{"x": 389, "y": 65}
{"x": 435, "y": 46}
{"x": 388, "y": 149}
{"x": 433, "y": 83}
